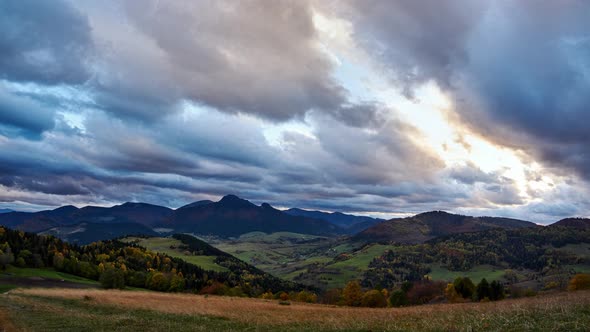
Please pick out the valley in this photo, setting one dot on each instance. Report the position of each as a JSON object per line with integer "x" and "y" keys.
{"x": 268, "y": 261}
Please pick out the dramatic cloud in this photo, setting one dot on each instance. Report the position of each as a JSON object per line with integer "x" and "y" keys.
{"x": 519, "y": 71}
{"x": 375, "y": 107}
{"x": 20, "y": 115}
{"x": 43, "y": 41}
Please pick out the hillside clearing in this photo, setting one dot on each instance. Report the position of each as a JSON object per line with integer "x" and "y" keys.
{"x": 35, "y": 309}
{"x": 172, "y": 247}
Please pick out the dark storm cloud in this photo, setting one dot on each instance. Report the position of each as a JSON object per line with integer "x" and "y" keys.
{"x": 519, "y": 71}
{"x": 23, "y": 116}
{"x": 162, "y": 102}
{"x": 46, "y": 42}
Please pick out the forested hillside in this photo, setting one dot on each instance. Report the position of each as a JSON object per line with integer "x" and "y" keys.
{"x": 117, "y": 264}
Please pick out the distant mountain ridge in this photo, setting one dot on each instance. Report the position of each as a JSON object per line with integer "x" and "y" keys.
{"x": 5, "y": 210}
{"x": 425, "y": 226}
{"x": 353, "y": 224}
{"x": 233, "y": 216}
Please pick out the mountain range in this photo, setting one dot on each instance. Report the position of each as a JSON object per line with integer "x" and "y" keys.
{"x": 233, "y": 216}
{"x": 352, "y": 224}
{"x": 229, "y": 217}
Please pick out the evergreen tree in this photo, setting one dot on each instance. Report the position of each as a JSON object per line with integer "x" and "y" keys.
{"x": 483, "y": 290}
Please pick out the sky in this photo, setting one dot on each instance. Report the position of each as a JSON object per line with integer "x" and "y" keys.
{"x": 373, "y": 107}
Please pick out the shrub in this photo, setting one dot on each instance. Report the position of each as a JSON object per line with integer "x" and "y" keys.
{"x": 398, "y": 298}
{"x": 157, "y": 281}
{"x": 464, "y": 287}
{"x": 452, "y": 295}
{"x": 304, "y": 296}
{"x": 283, "y": 296}
{"x": 267, "y": 295}
{"x": 373, "y": 299}
{"x": 426, "y": 291}
{"x": 332, "y": 296}
{"x": 579, "y": 282}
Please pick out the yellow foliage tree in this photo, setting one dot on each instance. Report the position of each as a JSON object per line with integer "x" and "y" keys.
{"x": 352, "y": 294}
{"x": 452, "y": 295}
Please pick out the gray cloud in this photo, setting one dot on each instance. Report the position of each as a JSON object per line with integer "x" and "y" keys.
{"x": 162, "y": 102}
{"x": 23, "y": 116}
{"x": 43, "y": 41}
{"x": 519, "y": 72}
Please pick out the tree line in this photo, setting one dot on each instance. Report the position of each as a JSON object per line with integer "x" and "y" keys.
{"x": 117, "y": 264}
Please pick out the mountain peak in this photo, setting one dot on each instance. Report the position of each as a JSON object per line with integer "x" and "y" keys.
{"x": 434, "y": 213}
{"x": 196, "y": 204}
{"x": 266, "y": 206}
{"x": 235, "y": 201}
{"x": 66, "y": 208}
{"x": 132, "y": 204}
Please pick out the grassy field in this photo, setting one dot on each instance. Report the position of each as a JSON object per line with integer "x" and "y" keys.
{"x": 283, "y": 254}
{"x": 164, "y": 244}
{"x": 100, "y": 310}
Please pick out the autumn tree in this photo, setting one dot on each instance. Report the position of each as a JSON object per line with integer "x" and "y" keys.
{"x": 452, "y": 295}
{"x": 332, "y": 296}
{"x": 374, "y": 299}
{"x": 579, "y": 282}
{"x": 352, "y": 294}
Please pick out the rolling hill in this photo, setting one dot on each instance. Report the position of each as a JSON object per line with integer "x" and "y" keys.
{"x": 85, "y": 233}
{"x": 425, "y": 226}
{"x": 581, "y": 223}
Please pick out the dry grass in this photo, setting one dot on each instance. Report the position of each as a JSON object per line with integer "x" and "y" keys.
{"x": 507, "y": 315}
{"x": 5, "y": 324}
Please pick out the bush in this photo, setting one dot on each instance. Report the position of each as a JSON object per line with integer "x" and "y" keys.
{"x": 157, "y": 281}
{"x": 332, "y": 296}
{"x": 426, "y": 291}
{"x": 398, "y": 298}
{"x": 374, "y": 299}
{"x": 308, "y": 297}
{"x": 579, "y": 282}
{"x": 283, "y": 296}
{"x": 267, "y": 295}
{"x": 452, "y": 295}
{"x": 464, "y": 287}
